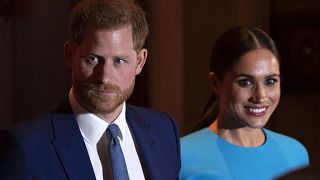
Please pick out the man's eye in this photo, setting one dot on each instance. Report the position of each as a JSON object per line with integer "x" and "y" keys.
{"x": 244, "y": 82}
{"x": 271, "y": 81}
{"x": 93, "y": 60}
{"x": 119, "y": 60}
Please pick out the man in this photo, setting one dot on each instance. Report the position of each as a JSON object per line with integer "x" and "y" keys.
{"x": 105, "y": 54}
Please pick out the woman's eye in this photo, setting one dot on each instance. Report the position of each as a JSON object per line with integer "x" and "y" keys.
{"x": 244, "y": 82}
{"x": 92, "y": 60}
{"x": 271, "y": 81}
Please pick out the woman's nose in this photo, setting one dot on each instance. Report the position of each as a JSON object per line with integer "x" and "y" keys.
{"x": 259, "y": 94}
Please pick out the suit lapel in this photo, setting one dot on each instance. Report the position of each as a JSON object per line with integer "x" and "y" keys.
{"x": 147, "y": 143}
{"x": 70, "y": 147}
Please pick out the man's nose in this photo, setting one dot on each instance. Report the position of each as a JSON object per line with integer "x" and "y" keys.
{"x": 104, "y": 72}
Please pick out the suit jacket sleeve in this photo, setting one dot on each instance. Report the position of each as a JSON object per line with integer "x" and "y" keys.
{"x": 177, "y": 137}
{"x": 13, "y": 162}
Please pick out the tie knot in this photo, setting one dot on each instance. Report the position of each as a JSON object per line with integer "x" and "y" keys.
{"x": 113, "y": 130}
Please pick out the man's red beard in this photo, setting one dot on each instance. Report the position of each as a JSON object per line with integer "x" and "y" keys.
{"x": 90, "y": 98}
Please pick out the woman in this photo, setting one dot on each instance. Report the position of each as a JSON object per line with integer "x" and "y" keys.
{"x": 245, "y": 77}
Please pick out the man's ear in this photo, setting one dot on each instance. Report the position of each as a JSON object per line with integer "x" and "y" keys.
{"x": 68, "y": 51}
{"x": 141, "y": 60}
{"x": 213, "y": 82}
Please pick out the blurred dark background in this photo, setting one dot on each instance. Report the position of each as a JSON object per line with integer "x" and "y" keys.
{"x": 34, "y": 77}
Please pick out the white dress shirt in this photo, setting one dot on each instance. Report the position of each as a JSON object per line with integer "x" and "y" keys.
{"x": 92, "y": 128}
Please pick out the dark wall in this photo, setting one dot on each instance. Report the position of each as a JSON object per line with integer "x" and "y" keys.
{"x": 296, "y": 30}
{"x": 33, "y": 73}
{"x": 6, "y": 56}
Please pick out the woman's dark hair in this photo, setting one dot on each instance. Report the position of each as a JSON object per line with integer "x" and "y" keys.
{"x": 227, "y": 50}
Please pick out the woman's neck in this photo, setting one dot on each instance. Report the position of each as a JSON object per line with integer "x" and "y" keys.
{"x": 243, "y": 137}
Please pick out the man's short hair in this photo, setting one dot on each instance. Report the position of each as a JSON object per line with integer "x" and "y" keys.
{"x": 108, "y": 14}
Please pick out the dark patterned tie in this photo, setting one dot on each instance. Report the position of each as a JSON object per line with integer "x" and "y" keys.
{"x": 119, "y": 168}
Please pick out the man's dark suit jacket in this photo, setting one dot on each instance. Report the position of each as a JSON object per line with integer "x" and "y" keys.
{"x": 51, "y": 146}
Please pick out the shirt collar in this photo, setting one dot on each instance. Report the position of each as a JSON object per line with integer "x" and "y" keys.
{"x": 91, "y": 126}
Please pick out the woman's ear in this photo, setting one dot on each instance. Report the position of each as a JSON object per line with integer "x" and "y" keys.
{"x": 68, "y": 51}
{"x": 213, "y": 82}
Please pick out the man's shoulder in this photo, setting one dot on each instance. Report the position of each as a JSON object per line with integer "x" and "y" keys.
{"x": 38, "y": 127}
{"x": 146, "y": 112}
{"x": 36, "y": 132}
{"x": 29, "y": 124}
{"x": 148, "y": 116}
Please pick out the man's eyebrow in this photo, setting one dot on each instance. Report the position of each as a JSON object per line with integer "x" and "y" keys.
{"x": 250, "y": 76}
